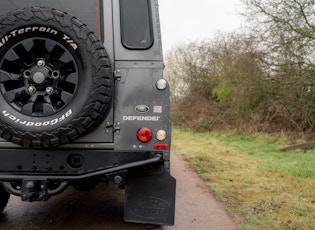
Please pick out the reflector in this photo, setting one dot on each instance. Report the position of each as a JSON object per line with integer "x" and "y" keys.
{"x": 160, "y": 146}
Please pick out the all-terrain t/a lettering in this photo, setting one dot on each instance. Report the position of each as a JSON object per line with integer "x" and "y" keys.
{"x": 70, "y": 42}
{"x": 22, "y": 31}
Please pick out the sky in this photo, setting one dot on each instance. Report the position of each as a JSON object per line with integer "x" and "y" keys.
{"x": 192, "y": 20}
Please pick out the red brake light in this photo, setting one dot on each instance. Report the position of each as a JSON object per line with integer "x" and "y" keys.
{"x": 144, "y": 134}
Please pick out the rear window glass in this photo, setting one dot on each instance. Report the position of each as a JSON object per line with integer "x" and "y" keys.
{"x": 136, "y": 24}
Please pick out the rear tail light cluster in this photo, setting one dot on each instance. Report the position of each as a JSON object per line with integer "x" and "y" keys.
{"x": 144, "y": 135}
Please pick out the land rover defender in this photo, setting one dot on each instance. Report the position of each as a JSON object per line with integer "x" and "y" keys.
{"x": 83, "y": 100}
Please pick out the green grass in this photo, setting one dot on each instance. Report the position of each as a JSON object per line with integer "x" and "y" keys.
{"x": 266, "y": 187}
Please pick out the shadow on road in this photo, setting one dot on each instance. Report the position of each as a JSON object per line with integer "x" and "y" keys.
{"x": 101, "y": 208}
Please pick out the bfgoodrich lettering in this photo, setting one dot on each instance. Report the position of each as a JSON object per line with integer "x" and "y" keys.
{"x": 37, "y": 124}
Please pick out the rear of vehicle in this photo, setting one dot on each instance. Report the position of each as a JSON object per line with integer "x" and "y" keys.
{"x": 83, "y": 99}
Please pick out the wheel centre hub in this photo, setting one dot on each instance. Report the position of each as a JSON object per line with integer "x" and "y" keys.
{"x": 38, "y": 77}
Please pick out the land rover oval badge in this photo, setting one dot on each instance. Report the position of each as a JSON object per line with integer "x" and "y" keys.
{"x": 142, "y": 108}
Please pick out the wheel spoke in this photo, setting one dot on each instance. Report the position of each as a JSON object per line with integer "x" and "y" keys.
{"x": 39, "y": 49}
{"x": 10, "y": 95}
{"x": 55, "y": 54}
{"x": 72, "y": 78}
{"x": 15, "y": 66}
{"x": 49, "y": 44}
{"x": 66, "y": 57}
{"x": 24, "y": 51}
{"x": 48, "y": 108}
{"x": 28, "y": 108}
{"x": 27, "y": 44}
{"x": 56, "y": 101}
{"x": 11, "y": 55}
{"x": 5, "y": 76}
{"x": 66, "y": 68}
{"x": 18, "y": 86}
{"x": 23, "y": 54}
{"x": 66, "y": 87}
{"x": 65, "y": 96}
{"x": 38, "y": 107}
{"x": 22, "y": 98}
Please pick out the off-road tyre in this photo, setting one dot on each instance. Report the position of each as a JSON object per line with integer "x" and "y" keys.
{"x": 55, "y": 78}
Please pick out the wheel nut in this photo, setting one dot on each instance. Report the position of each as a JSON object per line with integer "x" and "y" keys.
{"x": 41, "y": 63}
{"x": 49, "y": 90}
{"x": 55, "y": 74}
{"x": 26, "y": 73}
{"x": 31, "y": 90}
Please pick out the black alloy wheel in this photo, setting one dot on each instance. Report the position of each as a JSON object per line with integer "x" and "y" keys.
{"x": 38, "y": 77}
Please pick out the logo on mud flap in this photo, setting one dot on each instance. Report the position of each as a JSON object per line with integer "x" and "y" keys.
{"x": 151, "y": 207}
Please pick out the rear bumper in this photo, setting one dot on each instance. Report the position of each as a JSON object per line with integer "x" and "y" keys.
{"x": 85, "y": 176}
{"x": 150, "y": 191}
{"x": 69, "y": 165}
{"x": 41, "y": 181}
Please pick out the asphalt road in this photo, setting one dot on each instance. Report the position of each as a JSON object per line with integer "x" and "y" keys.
{"x": 102, "y": 208}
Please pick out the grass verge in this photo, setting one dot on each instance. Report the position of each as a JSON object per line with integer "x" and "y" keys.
{"x": 270, "y": 189}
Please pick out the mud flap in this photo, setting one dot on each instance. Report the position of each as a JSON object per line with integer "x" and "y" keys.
{"x": 151, "y": 200}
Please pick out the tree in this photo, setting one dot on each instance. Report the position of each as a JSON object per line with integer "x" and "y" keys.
{"x": 215, "y": 81}
{"x": 286, "y": 34}
{"x": 286, "y": 29}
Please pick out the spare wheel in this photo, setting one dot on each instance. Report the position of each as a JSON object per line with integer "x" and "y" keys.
{"x": 55, "y": 78}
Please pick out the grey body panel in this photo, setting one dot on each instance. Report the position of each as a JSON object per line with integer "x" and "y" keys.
{"x": 132, "y": 93}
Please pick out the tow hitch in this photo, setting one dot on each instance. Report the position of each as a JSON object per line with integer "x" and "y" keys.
{"x": 34, "y": 190}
